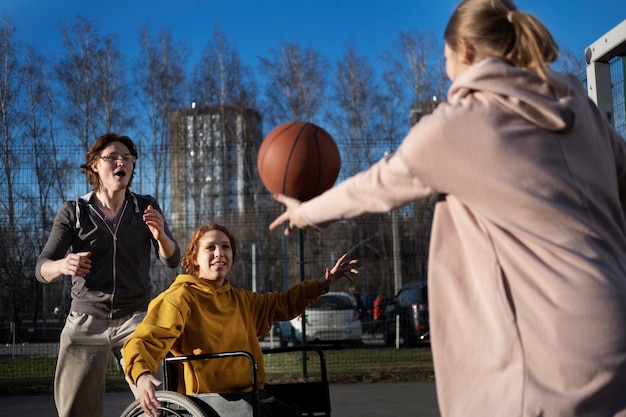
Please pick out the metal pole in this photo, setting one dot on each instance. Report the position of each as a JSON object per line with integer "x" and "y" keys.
{"x": 301, "y": 258}
{"x": 397, "y": 267}
{"x": 285, "y": 264}
{"x": 254, "y": 267}
{"x": 12, "y": 338}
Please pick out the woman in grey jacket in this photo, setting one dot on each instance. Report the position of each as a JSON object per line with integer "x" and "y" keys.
{"x": 527, "y": 279}
{"x": 103, "y": 240}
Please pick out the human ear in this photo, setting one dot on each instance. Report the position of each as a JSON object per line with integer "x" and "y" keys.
{"x": 467, "y": 52}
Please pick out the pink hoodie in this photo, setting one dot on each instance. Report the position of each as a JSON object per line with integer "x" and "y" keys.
{"x": 528, "y": 249}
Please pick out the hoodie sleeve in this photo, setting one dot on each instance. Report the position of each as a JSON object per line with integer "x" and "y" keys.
{"x": 60, "y": 239}
{"x": 279, "y": 306}
{"x": 153, "y": 338}
{"x": 174, "y": 260}
{"x": 386, "y": 185}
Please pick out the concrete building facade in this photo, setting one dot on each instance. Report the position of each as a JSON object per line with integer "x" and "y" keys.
{"x": 213, "y": 164}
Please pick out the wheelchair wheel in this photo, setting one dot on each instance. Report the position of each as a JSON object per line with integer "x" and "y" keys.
{"x": 173, "y": 404}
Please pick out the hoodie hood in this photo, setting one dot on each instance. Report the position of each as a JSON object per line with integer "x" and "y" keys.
{"x": 199, "y": 284}
{"x": 520, "y": 91}
{"x": 87, "y": 198}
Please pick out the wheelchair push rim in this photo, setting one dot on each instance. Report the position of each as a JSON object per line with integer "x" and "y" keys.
{"x": 173, "y": 404}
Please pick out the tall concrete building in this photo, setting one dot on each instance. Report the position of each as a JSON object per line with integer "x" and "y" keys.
{"x": 213, "y": 164}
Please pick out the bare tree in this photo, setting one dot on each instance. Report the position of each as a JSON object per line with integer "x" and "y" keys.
{"x": 77, "y": 72}
{"x": 414, "y": 75}
{"x": 366, "y": 119}
{"x": 160, "y": 72}
{"x": 295, "y": 85}
{"x": 11, "y": 114}
{"x": 393, "y": 120}
{"x": 571, "y": 62}
{"x": 221, "y": 78}
{"x": 40, "y": 130}
{"x": 112, "y": 87}
{"x": 354, "y": 118}
{"x": 417, "y": 59}
{"x": 50, "y": 177}
{"x": 11, "y": 117}
{"x": 92, "y": 75}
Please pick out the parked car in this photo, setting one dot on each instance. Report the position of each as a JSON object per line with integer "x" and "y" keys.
{"x": 410, "y": 306}
{"x": 334, "y": 318}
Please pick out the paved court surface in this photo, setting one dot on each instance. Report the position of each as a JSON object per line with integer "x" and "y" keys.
{"x": 381, "y": 399}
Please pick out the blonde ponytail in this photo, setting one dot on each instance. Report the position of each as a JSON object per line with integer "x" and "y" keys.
{"x": 497, "y": 29}
{"x": 534, "y": 46}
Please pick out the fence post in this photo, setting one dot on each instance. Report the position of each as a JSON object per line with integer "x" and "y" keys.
{"x": 12, "y": 336}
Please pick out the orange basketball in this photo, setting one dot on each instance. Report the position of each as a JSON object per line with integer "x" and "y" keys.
{"x": 298, "y": 159}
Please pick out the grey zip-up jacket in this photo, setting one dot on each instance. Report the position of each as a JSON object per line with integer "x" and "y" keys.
{"x": 119, "y": 282}
{"x": 527, "y": 270}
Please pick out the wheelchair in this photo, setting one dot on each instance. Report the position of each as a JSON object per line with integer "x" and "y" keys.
{"x": 311, "y": 397}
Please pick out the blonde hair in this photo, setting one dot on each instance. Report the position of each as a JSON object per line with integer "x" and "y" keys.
{"x": 496, "y": 28}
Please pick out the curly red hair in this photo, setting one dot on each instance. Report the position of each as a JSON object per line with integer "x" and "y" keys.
{"x": 188, "y": 261}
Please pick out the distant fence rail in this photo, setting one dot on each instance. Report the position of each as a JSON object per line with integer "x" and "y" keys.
{"x": 28, "y": 367}
{"x": 30, "y": 350}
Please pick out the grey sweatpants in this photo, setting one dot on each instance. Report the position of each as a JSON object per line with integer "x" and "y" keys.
{"x": 86, "y": 346}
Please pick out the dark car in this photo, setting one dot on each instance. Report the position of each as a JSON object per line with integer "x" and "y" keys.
{"x": 410, "y": 306}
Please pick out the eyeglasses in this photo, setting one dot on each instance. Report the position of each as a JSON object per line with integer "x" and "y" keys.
{"x": 115, "y": 157}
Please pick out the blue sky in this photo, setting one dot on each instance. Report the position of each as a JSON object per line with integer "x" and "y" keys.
{"x": 255, "y": 27}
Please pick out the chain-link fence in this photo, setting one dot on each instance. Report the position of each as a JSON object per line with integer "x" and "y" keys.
{"x": 391, "y": 247}
{"x": 29, "y": 367}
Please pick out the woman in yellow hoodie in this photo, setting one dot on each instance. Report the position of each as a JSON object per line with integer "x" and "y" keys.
{"x": 202, "y": 313}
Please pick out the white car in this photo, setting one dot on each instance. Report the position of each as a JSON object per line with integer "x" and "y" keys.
{"x": 334, "y": 318}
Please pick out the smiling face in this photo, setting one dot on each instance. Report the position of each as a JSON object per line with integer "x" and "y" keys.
{"x": 115, "y": 174}
{"x": 215, "y": 257}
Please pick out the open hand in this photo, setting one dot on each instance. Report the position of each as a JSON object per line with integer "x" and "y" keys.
{"x": 154, "y": 221}
{"x": 291, "y": 215}
{"x": 146, "y": 392}
{"x": 343, "y": 268}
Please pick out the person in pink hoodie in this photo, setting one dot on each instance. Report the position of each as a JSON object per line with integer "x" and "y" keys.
{"x": 527, "y": 278}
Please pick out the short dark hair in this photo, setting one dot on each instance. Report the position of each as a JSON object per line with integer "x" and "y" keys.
{"x": 94, "y": 152}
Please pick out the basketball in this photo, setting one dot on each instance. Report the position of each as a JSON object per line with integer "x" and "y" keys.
{"x": 298, "y": 159}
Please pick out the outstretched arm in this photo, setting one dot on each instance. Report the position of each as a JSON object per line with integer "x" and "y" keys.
{"x": 386, "y": 185}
